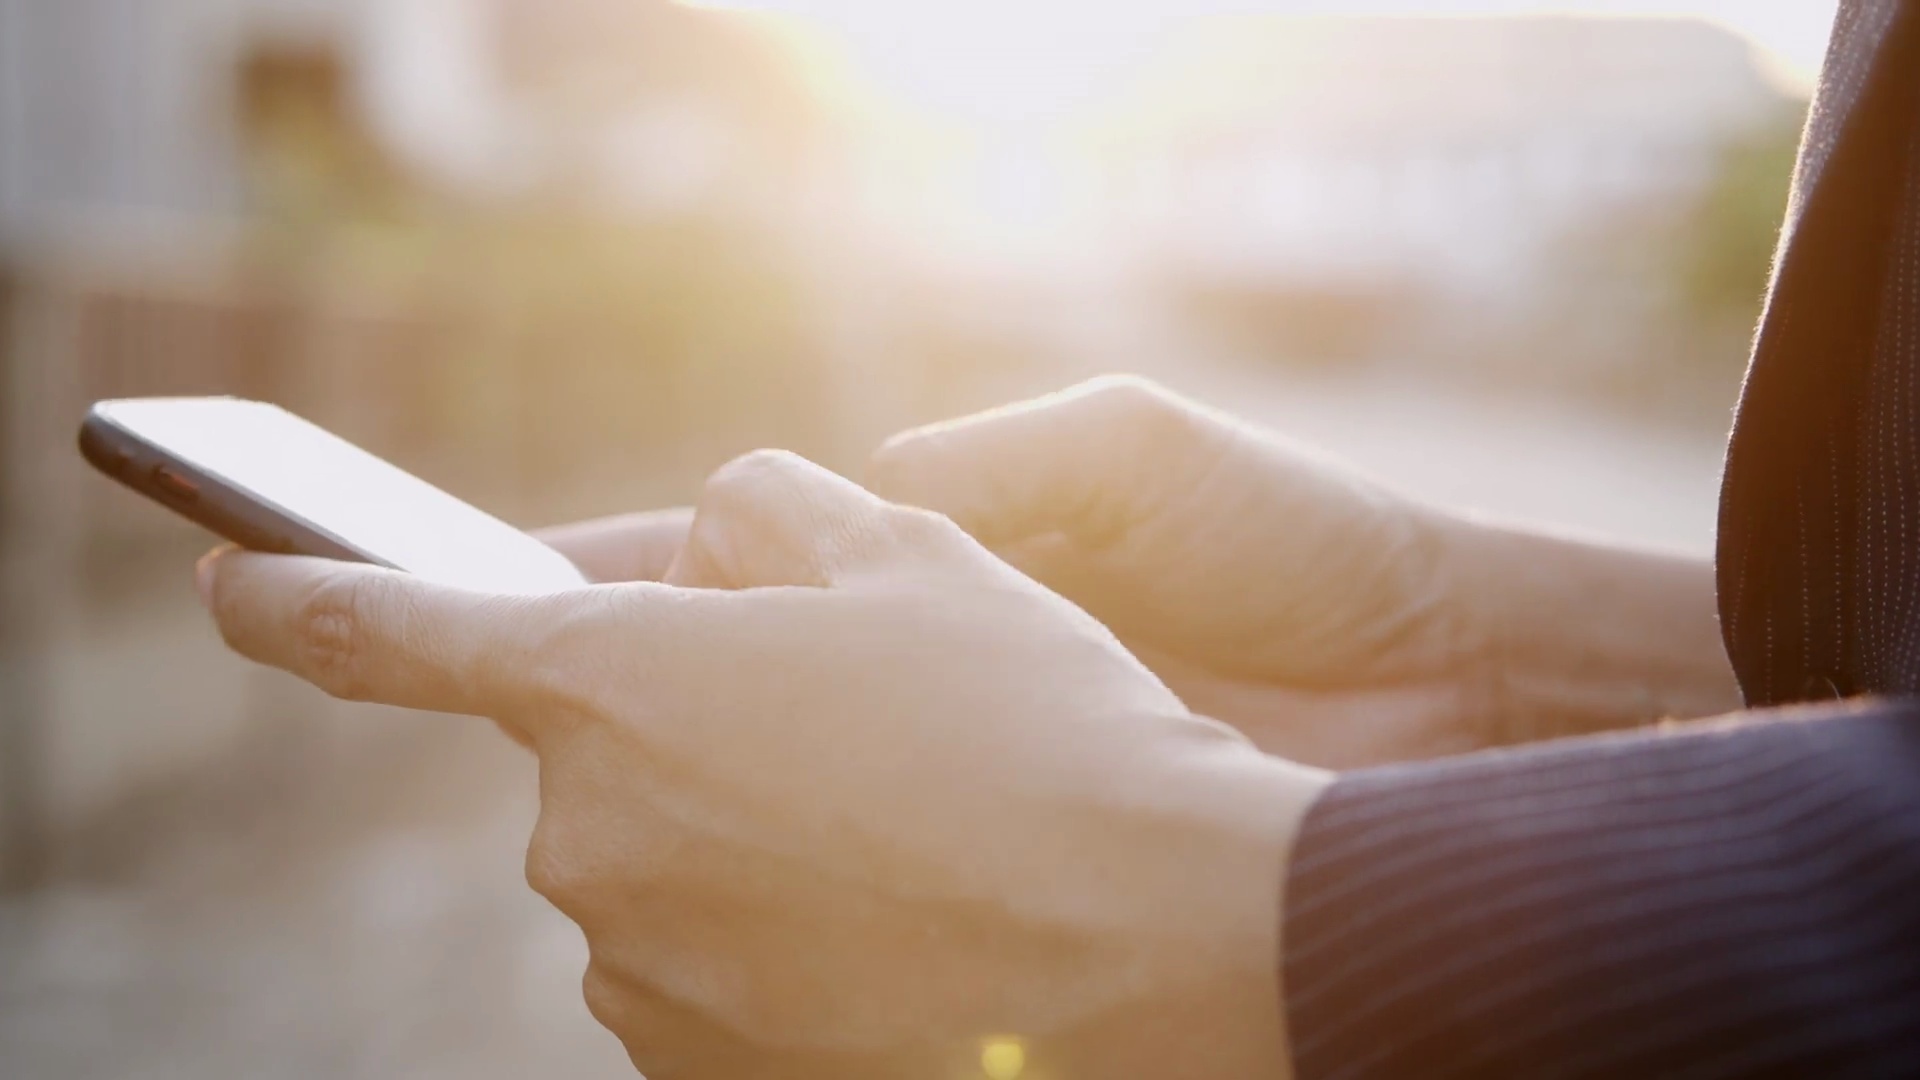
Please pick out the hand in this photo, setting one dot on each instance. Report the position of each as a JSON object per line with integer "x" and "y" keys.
{"x": 1270, "y": 586}
{"x": 847, "y": 795}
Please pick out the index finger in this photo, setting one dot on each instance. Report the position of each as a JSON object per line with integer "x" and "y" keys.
{"x": 625, "y": 547}
{"x": 365, "y": 633}
{"x": 1089, "y": 461}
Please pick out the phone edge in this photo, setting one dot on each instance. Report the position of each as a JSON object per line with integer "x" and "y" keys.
{"x": 229, "y": 512}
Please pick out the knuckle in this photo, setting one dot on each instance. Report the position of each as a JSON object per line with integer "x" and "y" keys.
{"x": 1128, "y": 395}
{"x": 331, "y": 637}
{"x": 551, "y": 871}
{"x": 920, "y": 530}
{"x": 656, "y": 1033}
{"x": 604, "y": 994}
{"x": 1146, "y": 415}
{"x": 596, "y": 863}
{"x": 772, "y": 517}
{"x": 749, "y": 476}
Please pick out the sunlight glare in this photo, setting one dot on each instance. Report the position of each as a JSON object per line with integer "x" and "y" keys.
{"x": 979, "y": 107}
{"x": 987, "y": 126}
{"x": 1003, "y": 1058}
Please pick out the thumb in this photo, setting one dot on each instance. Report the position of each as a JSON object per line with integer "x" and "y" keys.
{"x": 366, "y": 633}
{"x": 772, "y": 518}
{"x": 1091, "y": 461}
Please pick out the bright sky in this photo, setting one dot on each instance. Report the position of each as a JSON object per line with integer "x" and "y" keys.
{"x": 1000, "y": 77}
{"x": 1005, "y": 64}
{"x": 1794, "y": 30}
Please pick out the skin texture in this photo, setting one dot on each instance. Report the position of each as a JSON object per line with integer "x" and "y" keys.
{"x": 839, "y": 787}
{"x": 1268, "y": 584}
{"x": 845, "y": 794}
{"x": 1331, "y": 618}
{"x": 1327, "y": 616}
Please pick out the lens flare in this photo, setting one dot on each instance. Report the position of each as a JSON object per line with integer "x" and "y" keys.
{"x": 1003, "y": 1058}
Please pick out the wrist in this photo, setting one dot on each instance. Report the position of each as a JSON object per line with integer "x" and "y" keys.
{"x": 1569, "y": 637}
{"x": 1222, "y": 819}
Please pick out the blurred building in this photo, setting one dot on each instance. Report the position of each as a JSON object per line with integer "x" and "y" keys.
{"x": 125, "y": 108}
{"x": 1369, "y": 164}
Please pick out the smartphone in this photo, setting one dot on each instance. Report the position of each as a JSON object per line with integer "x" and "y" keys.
{"x": 268, "y": 480}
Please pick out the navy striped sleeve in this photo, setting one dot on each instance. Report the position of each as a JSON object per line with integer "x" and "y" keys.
{"x": 1720, "y": 901}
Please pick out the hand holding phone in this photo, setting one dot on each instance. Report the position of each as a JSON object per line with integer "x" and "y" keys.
{"x": 269, "y": 480}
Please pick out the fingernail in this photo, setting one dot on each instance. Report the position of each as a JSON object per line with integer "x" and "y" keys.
{"x": 203, "y": 577}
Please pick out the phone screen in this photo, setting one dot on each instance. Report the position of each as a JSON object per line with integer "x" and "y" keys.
{"x": 371, "y": 506}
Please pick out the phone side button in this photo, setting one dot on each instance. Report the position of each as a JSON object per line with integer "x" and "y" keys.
{"x": 173, "y": 485}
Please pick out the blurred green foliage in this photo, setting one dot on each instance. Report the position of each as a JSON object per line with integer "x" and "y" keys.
{"x": 1727, "y": 240}
{"x": 1654, "y": 302}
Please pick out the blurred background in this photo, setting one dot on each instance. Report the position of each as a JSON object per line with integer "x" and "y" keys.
{"x": 563, "y": 257}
